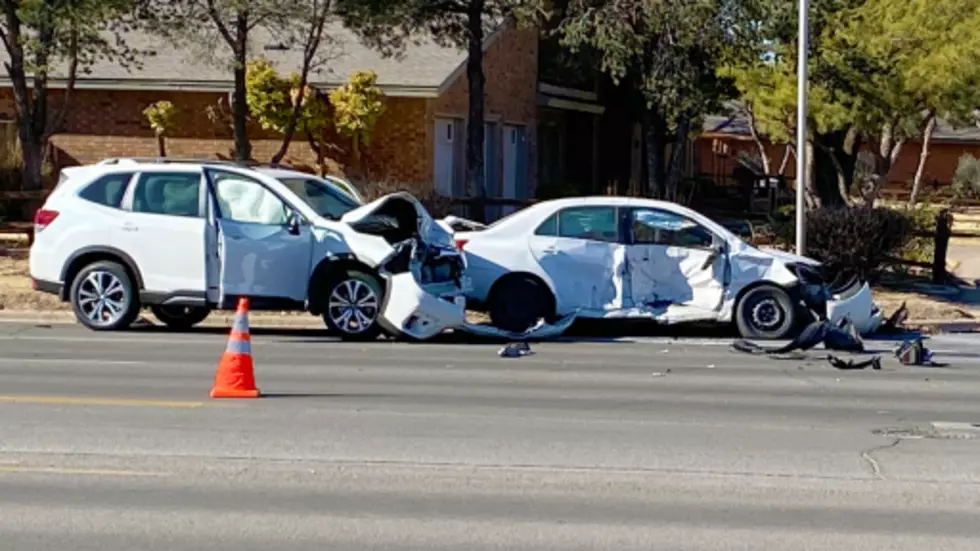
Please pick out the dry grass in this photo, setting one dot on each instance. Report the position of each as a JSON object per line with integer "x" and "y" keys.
{"x": 922, "y": 307}
{"x": 16, "y": 292}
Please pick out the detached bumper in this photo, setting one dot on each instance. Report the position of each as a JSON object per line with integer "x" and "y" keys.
{"x": 856, "y": 304}
{"x": 410, "y": 310}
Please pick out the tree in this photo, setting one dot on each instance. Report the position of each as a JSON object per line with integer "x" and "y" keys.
{"x": 52, "y": 39}
{"x": 162, "y": 116}
{"x": 389, "y": 24}
{"x": 276, "y": 103}
{"x": 222, "y": 29}
{"x": 357, "y": 106}
{"x": 670, "y": 51}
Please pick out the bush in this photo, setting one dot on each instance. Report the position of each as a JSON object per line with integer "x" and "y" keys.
{"x": 966, "y": 179}
{"x": 855, "y": 240}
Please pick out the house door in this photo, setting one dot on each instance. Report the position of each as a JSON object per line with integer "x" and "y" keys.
{"x": 515, "y": 164}
{"x": 443, "y": 167}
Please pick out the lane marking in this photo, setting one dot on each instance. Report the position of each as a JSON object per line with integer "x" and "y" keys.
{"x": 72, "y": 361}
{"x": 14, "y": 468}
{"x": 93, "y": 401}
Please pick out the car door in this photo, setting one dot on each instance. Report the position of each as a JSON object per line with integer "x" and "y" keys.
{"x": 673, "y": 260}
{"x": 260, "y": 253}
{"x": 581, "y": 250}
{"x": 163, "y": 231}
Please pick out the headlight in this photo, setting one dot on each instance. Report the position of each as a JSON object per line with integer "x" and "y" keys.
{"x": 808, "y": 275}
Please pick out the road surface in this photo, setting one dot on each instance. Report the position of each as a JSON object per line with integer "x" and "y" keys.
{"x": 109, "y": 442}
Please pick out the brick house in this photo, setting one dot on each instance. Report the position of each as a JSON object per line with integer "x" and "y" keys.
{"x": 420, "y": 138}
{"x": 716, "y": 151}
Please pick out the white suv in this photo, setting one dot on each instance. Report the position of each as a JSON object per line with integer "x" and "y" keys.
{"x": 186, "y": 237}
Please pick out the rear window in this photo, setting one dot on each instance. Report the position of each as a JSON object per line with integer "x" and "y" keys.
{"x": 108, "y": 190}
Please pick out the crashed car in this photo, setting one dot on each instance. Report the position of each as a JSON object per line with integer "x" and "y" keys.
{"x": 619, "y": 257}
{"x": 186, "y": 237}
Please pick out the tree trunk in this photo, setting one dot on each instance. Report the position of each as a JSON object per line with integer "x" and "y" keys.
{"x": 677, "y": 155}
{"x": 759, "y": 144}
{"x": 243, "y": 149}
{"x": 831, "y": 177}
{"x": 809, "y": 180}
{"x": 161, "y": 145}
{"x": 474, "y": 124}
{"x": 923, "y": 157}
{"x": 656, "y": 146}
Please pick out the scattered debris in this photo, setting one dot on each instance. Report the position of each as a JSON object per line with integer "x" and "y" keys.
{"x": 844, "y": 337}
{"x": 711, "y": 366}
{"x": 661, "y": 373}
{"x": 873, "y": 363}
{"x": 811, "y": 336}
{"x": 914, "y": 352}
{"x": 896, "y": 321}
{"x": 515, "y": 350}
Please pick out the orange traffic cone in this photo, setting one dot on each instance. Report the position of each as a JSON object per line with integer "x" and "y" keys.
{"x": 236, "y": 377}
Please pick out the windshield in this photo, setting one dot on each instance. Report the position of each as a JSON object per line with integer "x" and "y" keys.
{"x": 321, "y": 196}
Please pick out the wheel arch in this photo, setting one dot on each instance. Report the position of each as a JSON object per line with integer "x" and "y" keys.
{"x": 316, "y": 293}
{"x": 552, "y": 296}
{"x": 88, "y": 255}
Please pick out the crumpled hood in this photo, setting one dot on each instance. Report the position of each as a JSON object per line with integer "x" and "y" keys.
{"x": 789, "y": 258}
{"x": 431, "y": 232}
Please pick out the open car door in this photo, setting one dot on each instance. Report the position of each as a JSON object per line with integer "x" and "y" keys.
{"x": 264, "y": 248}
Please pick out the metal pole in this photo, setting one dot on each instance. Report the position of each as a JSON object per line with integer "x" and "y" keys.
{"x": 801, "y": 175}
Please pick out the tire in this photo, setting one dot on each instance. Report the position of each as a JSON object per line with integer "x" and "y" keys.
{"x": 766, "y": 312}
{"x": 518, "y": 302}
{"x": 336, "y": 302}
{"x": 180, "y": 318}
{"x": 103, "y": 297}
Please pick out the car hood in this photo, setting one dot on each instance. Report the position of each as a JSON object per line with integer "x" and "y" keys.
{"x": 789, "y": 258}
{"x": 429, "y": 231}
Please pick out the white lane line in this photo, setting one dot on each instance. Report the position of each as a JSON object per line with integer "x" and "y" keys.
{"x": 70, "y": 361}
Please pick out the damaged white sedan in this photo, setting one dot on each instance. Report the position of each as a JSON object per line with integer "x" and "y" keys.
{"x": 620, "y": 257}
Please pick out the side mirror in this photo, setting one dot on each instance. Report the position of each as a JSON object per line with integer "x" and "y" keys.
{"x": 292, "y": 223}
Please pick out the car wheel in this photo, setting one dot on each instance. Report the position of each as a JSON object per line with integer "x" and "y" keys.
{"x": 766, "y": 312}
{"x": 518, "y": 302}
{"x": 180, "y": 317}
{"x": 354, "y": 300}
{"x": 103, "y": 297}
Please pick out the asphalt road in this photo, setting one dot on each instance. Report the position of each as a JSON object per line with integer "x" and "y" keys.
{"x": 110, "y": 442}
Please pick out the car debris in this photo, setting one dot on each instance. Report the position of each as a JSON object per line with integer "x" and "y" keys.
{"x": 895, "y": 322}
{"x": 811, "y": 336}
{"x": 515, "y": 350}
{"x": 539, "y": 331}
{"x": 845, "y": 365}
{"x": 914, "y": 352}
{"x": 843, "y": 337}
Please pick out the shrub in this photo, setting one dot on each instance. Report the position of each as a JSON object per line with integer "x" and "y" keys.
{"x": 966, "y": 179}
{"x": 855, "y": 240}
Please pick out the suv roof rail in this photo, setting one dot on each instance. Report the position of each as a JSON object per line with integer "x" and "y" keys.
{"x": 178, "y": 160}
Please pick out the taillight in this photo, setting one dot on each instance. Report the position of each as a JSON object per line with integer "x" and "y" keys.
{"x": 42, "y": 218}
{"x": 460, "y": 243}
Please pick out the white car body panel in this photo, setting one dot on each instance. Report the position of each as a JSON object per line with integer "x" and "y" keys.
{"x": 598, "y": 279}
{"x": 253, "y": 258}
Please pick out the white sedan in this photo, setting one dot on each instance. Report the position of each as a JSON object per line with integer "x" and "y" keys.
{"x": 621, "y": 257}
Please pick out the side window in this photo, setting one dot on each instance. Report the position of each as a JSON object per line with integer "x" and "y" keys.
{"x": 169, "y": 193}
{"x": 242, "y": 199}
{"x": 594, "y": 223}
{"x": 549, "y": 227}
{"x": 658, "y": 227}
{"x": 107, "y": 190}
{"x": 324, "y": 200}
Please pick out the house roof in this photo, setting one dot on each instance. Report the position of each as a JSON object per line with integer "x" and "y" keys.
{"x": 735, "y": 124}
{"x": 419, "y": 72}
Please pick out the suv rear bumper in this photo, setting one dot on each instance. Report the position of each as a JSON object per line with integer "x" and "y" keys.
{"x": 44, "y": 286}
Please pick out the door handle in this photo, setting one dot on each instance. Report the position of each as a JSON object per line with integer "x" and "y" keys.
{"x": 128, "y": 226}
{"x": 549, "y": 250}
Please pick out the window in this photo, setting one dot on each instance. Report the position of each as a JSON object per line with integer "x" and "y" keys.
{"x": 595, "y": 223}
{"x": 169, "y": 193}
{"x": 242, "y": 199}
{"x": 549, "y": 227}
{"x": 107, "y": 190}
{"x": 320, "y": 196}
{"x": 658, "y": 227}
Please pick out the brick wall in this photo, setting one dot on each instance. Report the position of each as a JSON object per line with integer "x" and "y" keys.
{"x": 718, "y": 157}
{"x": 110, "y": 123}
{"x": 511, "y": 70}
